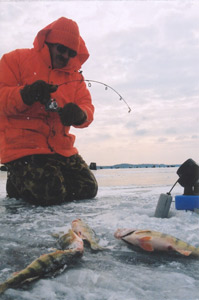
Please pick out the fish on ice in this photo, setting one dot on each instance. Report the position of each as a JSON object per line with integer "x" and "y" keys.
{"x": 70, "y": 240}
{"x": 156, "y": 241}
{"x": 46, "y": 263}
{"x": 86, "y": 233}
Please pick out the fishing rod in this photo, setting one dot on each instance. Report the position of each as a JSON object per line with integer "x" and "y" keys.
{"x": 53, "y": 106}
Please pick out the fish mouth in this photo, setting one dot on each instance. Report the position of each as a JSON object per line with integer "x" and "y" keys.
{"x": 121, "y": 233}
{"x": 76, "y": 220}
{"x": 129, "y": 233}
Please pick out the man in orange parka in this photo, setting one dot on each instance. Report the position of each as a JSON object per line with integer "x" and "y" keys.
{"x": 43, "y": 165}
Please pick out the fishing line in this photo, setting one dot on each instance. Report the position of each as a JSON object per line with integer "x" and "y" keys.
{"x": 106, "y": 88}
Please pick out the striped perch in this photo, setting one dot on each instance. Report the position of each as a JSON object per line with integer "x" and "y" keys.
{"x": 156, "y": 241}
{"x": 86, "y": 233}
{"x": 70, "y": 240}
{"x": 46, "y": 263}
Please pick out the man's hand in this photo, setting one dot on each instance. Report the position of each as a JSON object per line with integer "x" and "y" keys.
{"x": 37, "y": 91}
{"x": 72, "y": 114}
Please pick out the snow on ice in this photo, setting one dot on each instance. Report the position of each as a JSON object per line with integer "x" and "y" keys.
{"x": 126, "y": 198}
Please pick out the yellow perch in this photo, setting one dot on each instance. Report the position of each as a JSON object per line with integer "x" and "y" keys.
{"x": 46, "y": 263}
{"x": 70, "y": 240}
{"x": 86, "y": 233}
{"x": 156, "y": 241}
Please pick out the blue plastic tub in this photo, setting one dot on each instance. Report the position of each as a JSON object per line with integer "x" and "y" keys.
{"x": 186, "y": 202}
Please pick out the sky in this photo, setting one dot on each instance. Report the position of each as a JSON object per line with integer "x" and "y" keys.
{"x": 148, "y": 51}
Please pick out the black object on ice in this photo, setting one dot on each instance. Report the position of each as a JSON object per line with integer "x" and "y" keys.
{"x": 3, "y": 168}
{"x": 93, "y": 166}
{"x": 188, "y": 174}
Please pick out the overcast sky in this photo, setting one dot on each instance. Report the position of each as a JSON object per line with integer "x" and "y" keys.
{"x": 146, "y": 50}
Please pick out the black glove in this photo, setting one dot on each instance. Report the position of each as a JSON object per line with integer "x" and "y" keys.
{"x": 37, "y": 91}
{"x": 72, "y": 114}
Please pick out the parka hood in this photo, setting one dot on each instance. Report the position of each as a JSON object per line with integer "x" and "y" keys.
{"x": 66, "y": 32}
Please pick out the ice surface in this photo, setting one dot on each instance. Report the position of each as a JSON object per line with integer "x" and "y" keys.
{"x": 126, "y": 198}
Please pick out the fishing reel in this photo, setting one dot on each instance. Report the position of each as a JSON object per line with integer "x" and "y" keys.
{"x": 52, "y": 106}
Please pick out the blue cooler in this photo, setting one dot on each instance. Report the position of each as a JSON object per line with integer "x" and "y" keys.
{"x": 187, "y": 202}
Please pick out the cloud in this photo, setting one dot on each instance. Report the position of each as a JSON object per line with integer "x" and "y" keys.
{"x": 152, "y": 56}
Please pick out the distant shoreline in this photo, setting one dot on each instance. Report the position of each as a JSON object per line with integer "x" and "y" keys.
{"x": 93, "y": 166}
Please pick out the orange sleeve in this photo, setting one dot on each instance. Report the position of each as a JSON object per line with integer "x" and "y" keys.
{"x": 10, "y": 101}
{"x": 83, "y": 100}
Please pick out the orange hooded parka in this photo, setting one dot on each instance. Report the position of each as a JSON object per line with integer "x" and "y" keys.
{"x": 27, "y": 130}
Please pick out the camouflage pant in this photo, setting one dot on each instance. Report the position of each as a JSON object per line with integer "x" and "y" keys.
{"x": 50, "y": 179}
